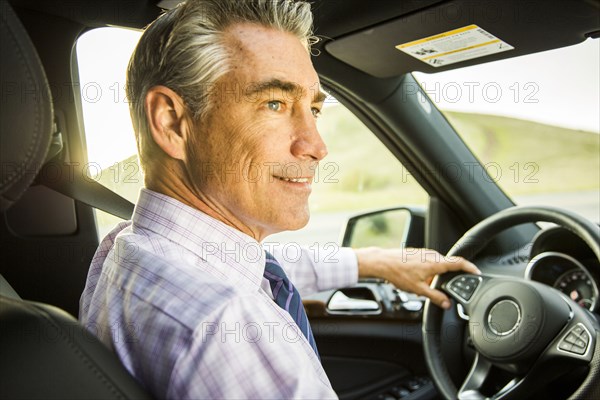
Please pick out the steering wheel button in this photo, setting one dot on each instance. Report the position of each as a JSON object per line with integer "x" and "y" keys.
{"x": 578, "y": 330}
{"x": 580, "y": 343}
{"x": 565, "y": 346}
{"x": 578, "y": 350}
{"x": 571, "y": 338}
{"x": 464, "y": 286}
{"x": 462, "y": 293}
{"x": 585, "y": 337}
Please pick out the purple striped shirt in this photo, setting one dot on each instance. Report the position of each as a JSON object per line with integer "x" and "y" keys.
{"x": 181, "y": 299}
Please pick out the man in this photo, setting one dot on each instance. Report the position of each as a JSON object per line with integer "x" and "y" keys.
{"x": 224, "y": 97}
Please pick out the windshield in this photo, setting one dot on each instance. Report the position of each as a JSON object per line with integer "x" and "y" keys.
{"x": 533, "y": 122}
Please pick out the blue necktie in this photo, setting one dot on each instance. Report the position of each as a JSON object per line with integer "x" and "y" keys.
{"x": 287, "y": 297}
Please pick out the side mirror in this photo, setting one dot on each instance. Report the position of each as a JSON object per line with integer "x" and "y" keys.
{"x": 389, "y": 228}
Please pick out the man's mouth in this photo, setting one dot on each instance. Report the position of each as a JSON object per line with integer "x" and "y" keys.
{"x": 294, "y": 180}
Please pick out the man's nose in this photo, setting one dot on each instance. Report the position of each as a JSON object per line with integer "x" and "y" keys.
{"x": 308, "y": 143}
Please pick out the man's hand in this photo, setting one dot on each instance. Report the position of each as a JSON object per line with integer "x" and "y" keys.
{"x": 411, "y": 269}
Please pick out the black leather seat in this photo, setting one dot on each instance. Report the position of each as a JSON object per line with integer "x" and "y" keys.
{"x": 47, "y": 354}
{"x": 44, "y": 352}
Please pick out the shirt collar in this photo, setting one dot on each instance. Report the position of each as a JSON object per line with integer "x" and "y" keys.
{"x": 237, "y": 257}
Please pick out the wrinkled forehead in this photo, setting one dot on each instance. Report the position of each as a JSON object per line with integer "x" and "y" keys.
{"x": 260, "y": 54}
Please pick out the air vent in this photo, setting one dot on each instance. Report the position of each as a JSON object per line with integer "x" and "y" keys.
{"x": 514, "y": 259}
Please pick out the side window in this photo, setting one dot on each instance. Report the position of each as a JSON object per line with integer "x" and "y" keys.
{"x": 358, "y": 175}
{"x": 102, "y": 57}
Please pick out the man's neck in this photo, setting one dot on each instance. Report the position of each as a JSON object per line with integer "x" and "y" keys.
{"x": 169, "y": 183}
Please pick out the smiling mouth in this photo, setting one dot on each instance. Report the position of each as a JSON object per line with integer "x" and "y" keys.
{"x": 294, "y": 180}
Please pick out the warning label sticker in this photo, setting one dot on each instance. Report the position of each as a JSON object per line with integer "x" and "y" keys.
{"x": 455, "y": 46}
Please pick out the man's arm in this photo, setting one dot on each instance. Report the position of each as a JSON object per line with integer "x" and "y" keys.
{"x": 314, "y": 269}
{"x": 317, "y": 268}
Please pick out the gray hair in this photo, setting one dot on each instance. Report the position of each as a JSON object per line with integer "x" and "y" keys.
{"x": 185, "y": 50}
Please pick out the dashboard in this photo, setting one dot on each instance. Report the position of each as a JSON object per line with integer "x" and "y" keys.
{"x": 562, "y": 260}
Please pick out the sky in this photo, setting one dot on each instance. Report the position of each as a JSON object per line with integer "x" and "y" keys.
{"x": 559, "y": 87}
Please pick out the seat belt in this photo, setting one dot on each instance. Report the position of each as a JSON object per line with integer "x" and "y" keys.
{"x": 62, "y": 177}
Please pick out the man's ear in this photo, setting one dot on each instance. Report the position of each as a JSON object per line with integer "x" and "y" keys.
{"x": 166, "y": 114}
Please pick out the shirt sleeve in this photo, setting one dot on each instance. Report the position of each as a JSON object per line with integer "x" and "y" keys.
{"x": 313, "y": 269}
{"x": 249, "y": 350}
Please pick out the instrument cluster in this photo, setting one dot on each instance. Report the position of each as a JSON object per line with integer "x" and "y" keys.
{"x": 563, "y": 261}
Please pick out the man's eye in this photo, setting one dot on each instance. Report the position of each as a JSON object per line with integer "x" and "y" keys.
{"x": 316, "y": 112}
{"x": 274, "y": 105}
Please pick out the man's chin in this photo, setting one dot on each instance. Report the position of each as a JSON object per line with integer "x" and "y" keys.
{"x": 295, "y": 223}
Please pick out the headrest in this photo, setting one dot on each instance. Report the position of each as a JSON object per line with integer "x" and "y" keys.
{"x": 26, "y": 116}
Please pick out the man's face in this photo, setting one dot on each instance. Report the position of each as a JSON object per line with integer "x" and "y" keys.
{"x": 254, "y": 157}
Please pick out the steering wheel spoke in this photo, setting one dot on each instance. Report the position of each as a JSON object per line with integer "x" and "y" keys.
{"x": 471, "y": 388}
{"x": 480, "y": 375}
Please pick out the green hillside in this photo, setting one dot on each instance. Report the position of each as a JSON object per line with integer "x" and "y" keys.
{"x": 534, "y": 157}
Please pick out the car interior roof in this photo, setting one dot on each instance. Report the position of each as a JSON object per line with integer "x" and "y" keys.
{"x": 515, "y": 22}
{"x": 364, "y": 36}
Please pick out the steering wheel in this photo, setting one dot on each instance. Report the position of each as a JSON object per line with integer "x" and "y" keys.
{"x": 523, "y": 330}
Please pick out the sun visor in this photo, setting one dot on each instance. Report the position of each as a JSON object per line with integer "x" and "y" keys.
{"x": 456, "y": 34}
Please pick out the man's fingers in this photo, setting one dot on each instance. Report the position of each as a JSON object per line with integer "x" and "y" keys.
{"x": 450, "y": 264}
{"x": 458, "y": 264}
{"x": 437, "y": 297}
